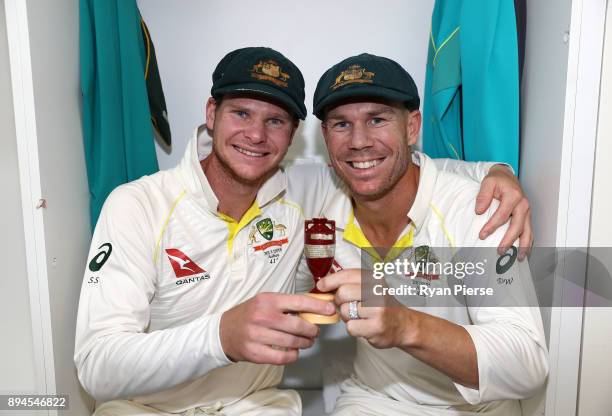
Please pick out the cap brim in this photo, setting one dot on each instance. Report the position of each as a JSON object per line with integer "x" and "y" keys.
{"x": 265, "y": 91}
{"x": 370, "y": 91}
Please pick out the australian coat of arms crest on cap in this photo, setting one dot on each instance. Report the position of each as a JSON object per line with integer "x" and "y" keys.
{"x": 270, "y": 71}
{"x": 353, "y": 74}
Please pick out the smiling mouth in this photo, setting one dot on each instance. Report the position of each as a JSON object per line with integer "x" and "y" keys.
{"x": 249, "y": 152}
{"x": 365, "y": 164}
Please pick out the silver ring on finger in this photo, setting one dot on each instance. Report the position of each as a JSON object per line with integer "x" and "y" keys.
{"x": 352, "y": 310}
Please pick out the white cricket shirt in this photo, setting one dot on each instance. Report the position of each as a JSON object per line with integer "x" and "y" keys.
{"x": 510, "y": 343}
{"x": 164, "y": 265}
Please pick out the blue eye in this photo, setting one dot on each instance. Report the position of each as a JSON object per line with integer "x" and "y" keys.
{"x": 377, "y": 120}
{"x": 340, "y": 125}
{"x": 278, "y": 123}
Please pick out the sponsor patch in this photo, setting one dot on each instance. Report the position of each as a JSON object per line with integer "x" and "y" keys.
{"x": 99, "y": 259}
{"x": 505, "y": 261}
{"x": 182, "y": 265}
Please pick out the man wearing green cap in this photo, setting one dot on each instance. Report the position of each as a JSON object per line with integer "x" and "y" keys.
{"x": 436, "y": 357}
{"x": 186, "y": 304}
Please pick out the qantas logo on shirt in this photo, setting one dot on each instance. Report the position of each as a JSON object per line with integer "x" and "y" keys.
{"x": 183, "y": 266}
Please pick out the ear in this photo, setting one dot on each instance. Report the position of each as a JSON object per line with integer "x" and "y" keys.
{"x": 324, "y": 131}
{"x": 296, "y": 124}
{"x": 413, "y": 126}
{"x": 211, "y": 108}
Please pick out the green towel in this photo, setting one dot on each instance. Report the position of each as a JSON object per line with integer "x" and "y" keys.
{"x": 471, "y": 97}
{"x": 117, "y": 133}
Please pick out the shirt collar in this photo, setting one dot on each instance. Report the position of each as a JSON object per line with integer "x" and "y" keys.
{"x": 198, "y": 148}
{"x": 428, "y": 176}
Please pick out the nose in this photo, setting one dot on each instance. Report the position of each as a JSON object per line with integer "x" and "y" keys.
{"x": 359, "y": 138}
{"x": 255, "y": 132}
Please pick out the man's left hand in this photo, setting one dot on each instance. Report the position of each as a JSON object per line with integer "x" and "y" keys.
{"x": 383, "y": 327}
{"x": 501, "y": 184}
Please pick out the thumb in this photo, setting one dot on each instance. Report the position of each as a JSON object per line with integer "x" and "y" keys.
{"x": 327, "y": 284}
{"x": 485, "y": 196}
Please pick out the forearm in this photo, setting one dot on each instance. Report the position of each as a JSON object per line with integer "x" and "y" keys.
{"x": 443, "y": 345}
{"x": 123, "y": 365}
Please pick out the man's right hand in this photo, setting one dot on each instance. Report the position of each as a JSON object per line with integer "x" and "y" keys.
{"x": 262, "y": 330}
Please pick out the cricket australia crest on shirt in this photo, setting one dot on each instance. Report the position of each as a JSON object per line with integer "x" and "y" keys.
{"x": 268, "y": 236}
{"x": 265, "y": 228}
{"x": 424, "y": 265}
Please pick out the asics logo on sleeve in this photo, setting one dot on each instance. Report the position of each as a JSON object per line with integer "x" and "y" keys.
{"x": 505, "y": 261}
{"x": 99, "y": 259}
{"x": 183, "y": 266}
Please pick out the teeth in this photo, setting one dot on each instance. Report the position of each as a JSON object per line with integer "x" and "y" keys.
{"x": 248, "y": 153}
{"x": 366, "y": 165}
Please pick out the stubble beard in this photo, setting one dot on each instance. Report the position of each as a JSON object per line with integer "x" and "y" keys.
{"x": 233, "y": 177}
{"x": 386, "y": 186}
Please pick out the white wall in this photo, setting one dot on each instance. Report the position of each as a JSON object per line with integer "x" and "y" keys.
{"x": 596, "y": 366}
{"x": 542, "y": 121}
{"x": 192, "y": 36}
{"x": 561, "y": 92}
{"x": 54, "y": 28}
{"x": 542, "y": 111}
{"x": 17, "y": 370}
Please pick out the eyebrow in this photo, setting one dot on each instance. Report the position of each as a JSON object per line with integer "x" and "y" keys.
{"x": 371, "y": 113}
{"x": 281, "y": 115}
{"x": 379, "y": 111}
{"x": 241, "y": 107}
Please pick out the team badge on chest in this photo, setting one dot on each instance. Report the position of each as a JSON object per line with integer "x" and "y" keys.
{"x": 268, "y": 237}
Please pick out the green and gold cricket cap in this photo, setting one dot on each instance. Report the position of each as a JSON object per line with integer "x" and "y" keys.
{"x": 261, "y": 71}
{"x": 364, "y": 76}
